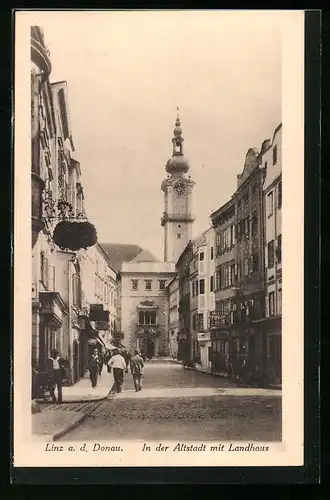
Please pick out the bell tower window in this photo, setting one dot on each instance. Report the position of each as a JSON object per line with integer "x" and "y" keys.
{"x": 178, "y": 147}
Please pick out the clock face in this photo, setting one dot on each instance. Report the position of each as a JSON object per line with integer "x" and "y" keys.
{"x": 180, "y": 188}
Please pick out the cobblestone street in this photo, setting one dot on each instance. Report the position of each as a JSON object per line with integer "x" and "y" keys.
{"x": 182, "y": 404}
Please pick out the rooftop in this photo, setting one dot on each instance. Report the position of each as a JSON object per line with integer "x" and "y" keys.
{"x": 121, "y": 252}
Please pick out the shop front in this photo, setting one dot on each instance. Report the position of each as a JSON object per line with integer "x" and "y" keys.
{"x": 270, "y": 353}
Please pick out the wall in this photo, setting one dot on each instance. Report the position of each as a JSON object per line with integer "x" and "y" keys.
{"x": 131, "y": 299}
{"x": 273, "y": 220}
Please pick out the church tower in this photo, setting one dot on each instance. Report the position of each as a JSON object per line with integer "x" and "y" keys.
{"x": 177, "y": 217}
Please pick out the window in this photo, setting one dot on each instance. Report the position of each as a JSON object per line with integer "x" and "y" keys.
{"x": 147, "y": 318}
{"x": 162, "y": 284}
{"x": 233, "y": 234}
{"x": 274, "y": 155}
{"x": 225, "y": 238}
{"x": 200, "y": 321}
{"x": 270, "y": 204}
{"x": 201, "y": 256}
{"x": 225, "y": 277}
{"x": 270, "y": 254}
{"x": 44, "y": 269}
{"x": 193, "y": 289}
{"x": 246, "y": 267}
{"x": 178, "y": 236}
{"x": 196, "y": 288}
{"x": 135, "y": 284}
{"x": 217, "y": 280}
{"x": 246, "y": 226}
{"x": 148, "y": 284}
{"x": 255, "y": 263}
{"x": 279, "y": 195}
{"x": 51, "y": 278}
{"x": 201, "y": 287}
{"x": 279, "y": 249}
{"x": 271, "y": 303}
{"x": 211, "y": 253}
{"x": 212, "y": 284}
{"x": 254, "y": 225}
{"x": 76, "y": 290}
{"x": 218, "y": 243}
{"x": 232, "y": 274}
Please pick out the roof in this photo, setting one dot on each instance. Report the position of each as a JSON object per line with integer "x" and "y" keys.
{"x": 145, "y": 256}
{"x": 120, "y": 252}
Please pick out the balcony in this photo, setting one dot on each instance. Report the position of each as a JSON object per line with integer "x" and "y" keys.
{"x": 52, "y": 309}
{"x": 152, "y": 331}
{"x": 176, "y": 217}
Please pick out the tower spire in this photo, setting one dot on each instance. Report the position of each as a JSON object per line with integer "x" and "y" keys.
{"x": 177, "y": 136}
{"x": 178, "y": 163}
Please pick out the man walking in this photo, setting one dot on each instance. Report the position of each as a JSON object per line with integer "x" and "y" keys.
{"x": 118, "y": 364}
{"x": 137, "y": 366}
{"x": 54, "y": 369}
{"x": 93, "y": 367}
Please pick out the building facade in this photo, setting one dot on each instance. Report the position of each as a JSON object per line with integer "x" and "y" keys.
{"x": 203, "y": 291}
{"x": 177, "y": 218}
{"x": 144, "y": 307}
{"x": 52, "y": 182}
{"x": 271, "y": 328}
{"x": 185, "y": 274}
{"x": 174, "y": 324}
{"x": 98, "y": 290}
{"x": 240, "y": 277}
{"x": 224, "y": 336}
{"x": 58, "y": 316}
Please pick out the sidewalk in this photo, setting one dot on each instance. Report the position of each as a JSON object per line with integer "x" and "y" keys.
{"x": 199, "y": 368}
{"x": 82, "y": 391}
{"x": 53, "y": 422}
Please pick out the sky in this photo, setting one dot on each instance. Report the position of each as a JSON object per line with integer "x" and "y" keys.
{"x": 128, "y": 71}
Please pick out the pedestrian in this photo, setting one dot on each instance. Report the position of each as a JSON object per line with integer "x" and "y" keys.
{"x": 55, "y": 369}
{"x": 101, "y": 358}
{"x": 93, "y": 367}
{"x": 137, "y": 367}
{"x": 118, "y": 364}
{"x": 127, "y": 356}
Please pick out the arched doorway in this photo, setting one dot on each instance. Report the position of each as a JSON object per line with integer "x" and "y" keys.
{"x": 148, "y": 347}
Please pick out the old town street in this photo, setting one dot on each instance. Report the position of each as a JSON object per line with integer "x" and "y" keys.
{"x": 176, "y": 403}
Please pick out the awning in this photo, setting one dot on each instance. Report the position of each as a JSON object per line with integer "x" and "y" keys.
{"x": 109, "y": 346}
{"x": 100, "y": 340}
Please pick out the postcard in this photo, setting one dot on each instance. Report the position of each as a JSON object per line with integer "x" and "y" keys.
{"x": 159, "y": 279}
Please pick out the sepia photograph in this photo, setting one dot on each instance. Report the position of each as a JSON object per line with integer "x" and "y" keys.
{"x": 151, "y": 288}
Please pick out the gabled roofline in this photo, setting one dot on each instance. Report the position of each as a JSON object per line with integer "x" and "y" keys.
{"x": 106, "y": 257}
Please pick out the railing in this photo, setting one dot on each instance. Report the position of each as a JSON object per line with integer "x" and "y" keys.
{"x": 176, "y": 216}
